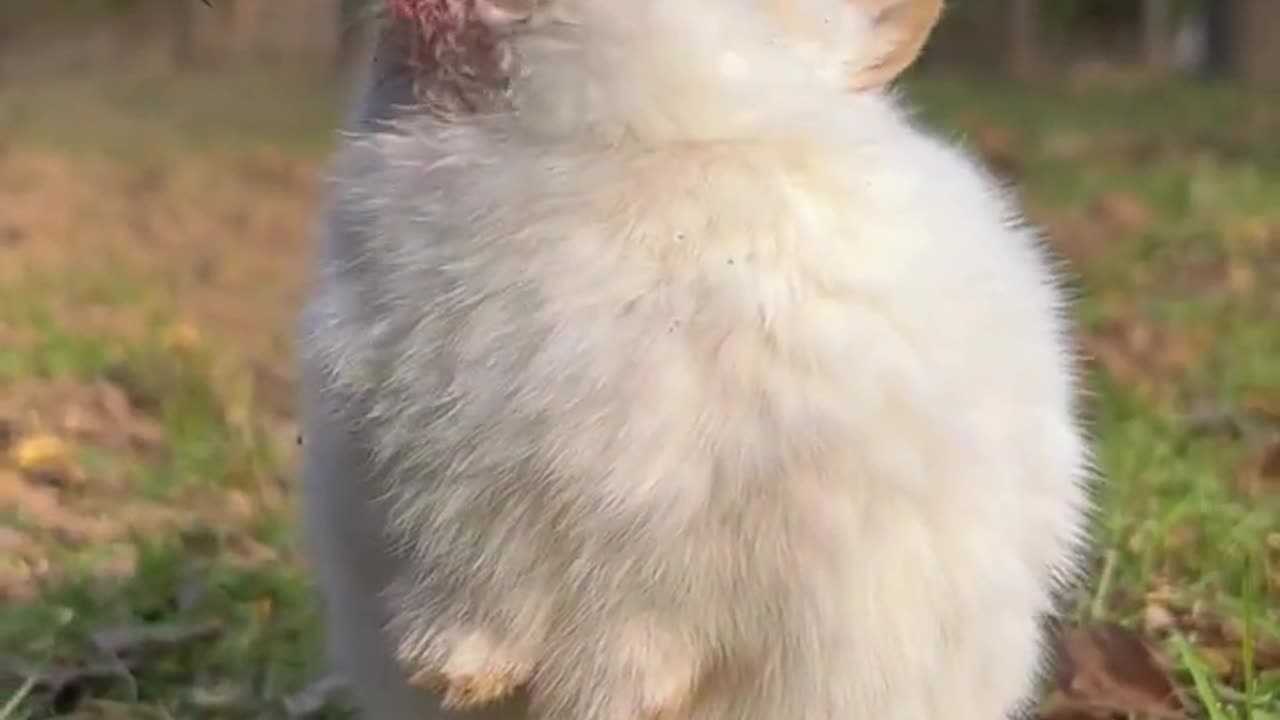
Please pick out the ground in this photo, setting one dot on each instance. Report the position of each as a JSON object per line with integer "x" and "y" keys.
{"x": 154, "y": 232}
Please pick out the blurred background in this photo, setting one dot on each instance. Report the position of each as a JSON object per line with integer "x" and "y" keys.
{"x": 160, "y": 168}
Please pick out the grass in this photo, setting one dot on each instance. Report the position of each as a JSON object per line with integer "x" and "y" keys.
{"x": 170, "y": 511}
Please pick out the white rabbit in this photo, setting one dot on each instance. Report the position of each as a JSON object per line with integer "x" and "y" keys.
{"x": 673, "y": 372}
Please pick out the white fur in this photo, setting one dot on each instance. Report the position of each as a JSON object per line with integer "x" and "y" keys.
{"x": 724, "y": 371}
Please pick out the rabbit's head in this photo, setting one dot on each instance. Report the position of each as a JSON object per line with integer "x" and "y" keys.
{"x": 577, "y": 61}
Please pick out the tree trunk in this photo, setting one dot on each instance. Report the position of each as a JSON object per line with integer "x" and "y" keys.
{"x": 973, "y": 35}
{"x": 242, "y": 26}
{"x": 355, "y": 26}
{"x": 1024, "y": 40}
{"x": 1218, "y": 26}
{"x": 1157, "y": 31}
{"x": 185, "y": 52}
{"x": 1255, "y": 42}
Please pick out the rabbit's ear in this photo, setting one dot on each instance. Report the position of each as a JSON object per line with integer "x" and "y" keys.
{"x": 899, "y": 31}
{"x": 504, "y": 13}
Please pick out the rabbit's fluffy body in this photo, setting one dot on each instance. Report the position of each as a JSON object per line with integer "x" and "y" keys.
{"x": 755, "y": 404}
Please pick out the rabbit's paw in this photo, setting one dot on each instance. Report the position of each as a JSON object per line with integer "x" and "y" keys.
{"x": 467, "y": 666}
{"x": 639, "y": 671}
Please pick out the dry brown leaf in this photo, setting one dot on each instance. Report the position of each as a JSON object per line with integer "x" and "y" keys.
{"x": 1242, "y": 279}
{"x": 37, "y": 453}
{"x": 182, "y": 338}
{"x": 1262, "y": 475}
{"x": 8, "y": 431}
{"x": 1111, "y": 669}
{"x": 1219, "y": 641}
{"x": 1269, "y": 465}
{"x": 1156, "y": 619}
{"x": 1265, "y": 405}
{"x": 1149, "y": 358}
{"x": 1077, "y": 235}
{"x": 1249, "y": 232}
{"x": 1219, "y": 661}
{"x": 1125, "y": 211}
{"x": 43, "y": 507}
{"x": 995, "y": 143}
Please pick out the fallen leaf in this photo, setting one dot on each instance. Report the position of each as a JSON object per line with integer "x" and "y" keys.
{"x": 1125, "y": 211}
{"x": 1242, "y": 279}
{"x": 1145, "y": 356}
{"x": 1265, "y": 405}
{"x": 8, "y": 432}
{"x": 37, "y": 453}
{"x": 1111, "y": 669}
{"x": 1269, "y": 465}
{"x": 1262, "y": 474}
{"x": 1248, "y": 232}
{"x": 1077, "y": 235}
{"x": 44, "y": 507}
{"x": 1219, "y": 640}
{"x": 182, "y": 338}
{"x": 994, "y": 142}
{"x": 1218, "y": 660}
{"x": 1157, "y": 619}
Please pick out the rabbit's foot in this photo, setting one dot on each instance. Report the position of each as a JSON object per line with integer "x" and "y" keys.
{"x": 639, "y": 671}
{"x": 468, "y": 668}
